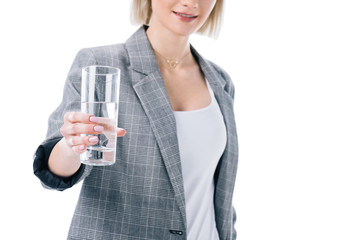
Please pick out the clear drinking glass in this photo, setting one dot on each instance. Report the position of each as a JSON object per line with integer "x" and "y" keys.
{"x": 100, "y": 87}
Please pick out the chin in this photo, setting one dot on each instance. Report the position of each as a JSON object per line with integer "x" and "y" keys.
{"x": 183, "y": 31}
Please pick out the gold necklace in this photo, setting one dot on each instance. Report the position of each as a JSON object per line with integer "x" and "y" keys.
{"x": 172, "y": 63}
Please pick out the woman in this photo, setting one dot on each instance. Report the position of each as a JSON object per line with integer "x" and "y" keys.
{"x": 175, "y": 170}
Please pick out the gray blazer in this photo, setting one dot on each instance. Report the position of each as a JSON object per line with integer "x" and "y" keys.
{"x": 141, "y": 196}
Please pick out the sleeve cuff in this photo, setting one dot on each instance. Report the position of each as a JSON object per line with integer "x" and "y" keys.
{"x": 49, "y": 179}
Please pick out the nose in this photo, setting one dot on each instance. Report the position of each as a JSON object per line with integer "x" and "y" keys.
{"x": 190, "y": 3}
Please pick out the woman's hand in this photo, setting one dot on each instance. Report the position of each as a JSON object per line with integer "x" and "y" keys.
{"x": 64, "y": 159}
{"x": 77, "y": 123}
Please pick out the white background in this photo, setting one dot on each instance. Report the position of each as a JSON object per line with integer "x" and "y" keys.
{"x": 296, "y": 68}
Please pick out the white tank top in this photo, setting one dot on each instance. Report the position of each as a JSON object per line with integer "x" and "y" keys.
{"x": 202, "y": 139}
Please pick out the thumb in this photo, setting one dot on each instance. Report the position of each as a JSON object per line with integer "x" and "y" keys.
{"x": 121, "y": 132}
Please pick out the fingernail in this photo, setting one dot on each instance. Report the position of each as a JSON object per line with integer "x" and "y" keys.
{"x": 93, "y": 139}
{"x": 81, "y": 147}
{"x": 98, "y": 128}
{"x": 94, "y": 119}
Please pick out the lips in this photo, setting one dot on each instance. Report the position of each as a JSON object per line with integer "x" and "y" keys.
{"x": 186, "y": 17}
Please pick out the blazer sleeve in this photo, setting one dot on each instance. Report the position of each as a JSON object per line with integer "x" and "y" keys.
{"x": 230, "y": 88}
{"x": 71, "y": 102}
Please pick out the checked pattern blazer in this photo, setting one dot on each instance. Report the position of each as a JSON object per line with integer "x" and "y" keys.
{"x": 141, "y": 196}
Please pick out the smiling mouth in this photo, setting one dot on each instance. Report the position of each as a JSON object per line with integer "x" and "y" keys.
{"x": 185, "y": 15}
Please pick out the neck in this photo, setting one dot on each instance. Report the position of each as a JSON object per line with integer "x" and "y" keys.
{"x": 167, "y": 43}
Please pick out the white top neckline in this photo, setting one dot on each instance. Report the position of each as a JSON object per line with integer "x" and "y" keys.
{"x": 203, "y": 108}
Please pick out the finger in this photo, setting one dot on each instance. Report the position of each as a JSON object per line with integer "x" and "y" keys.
{"x": 121, "y": 132}
{"x": 79, "y": 148}
{"x": 79, "y": 128}
{"x": 82, "y": 140}
{"x": 79, "y": 117}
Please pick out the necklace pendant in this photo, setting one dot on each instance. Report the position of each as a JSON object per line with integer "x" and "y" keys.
{"x": 172, "y": 63}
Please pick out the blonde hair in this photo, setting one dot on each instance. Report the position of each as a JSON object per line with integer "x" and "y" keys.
{"x": 141, "y": 14}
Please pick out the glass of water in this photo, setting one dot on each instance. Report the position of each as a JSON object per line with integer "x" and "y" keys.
{"x": 100, "y": 87}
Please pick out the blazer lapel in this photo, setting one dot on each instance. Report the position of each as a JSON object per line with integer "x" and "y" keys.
{"x": 149, "y": 87}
